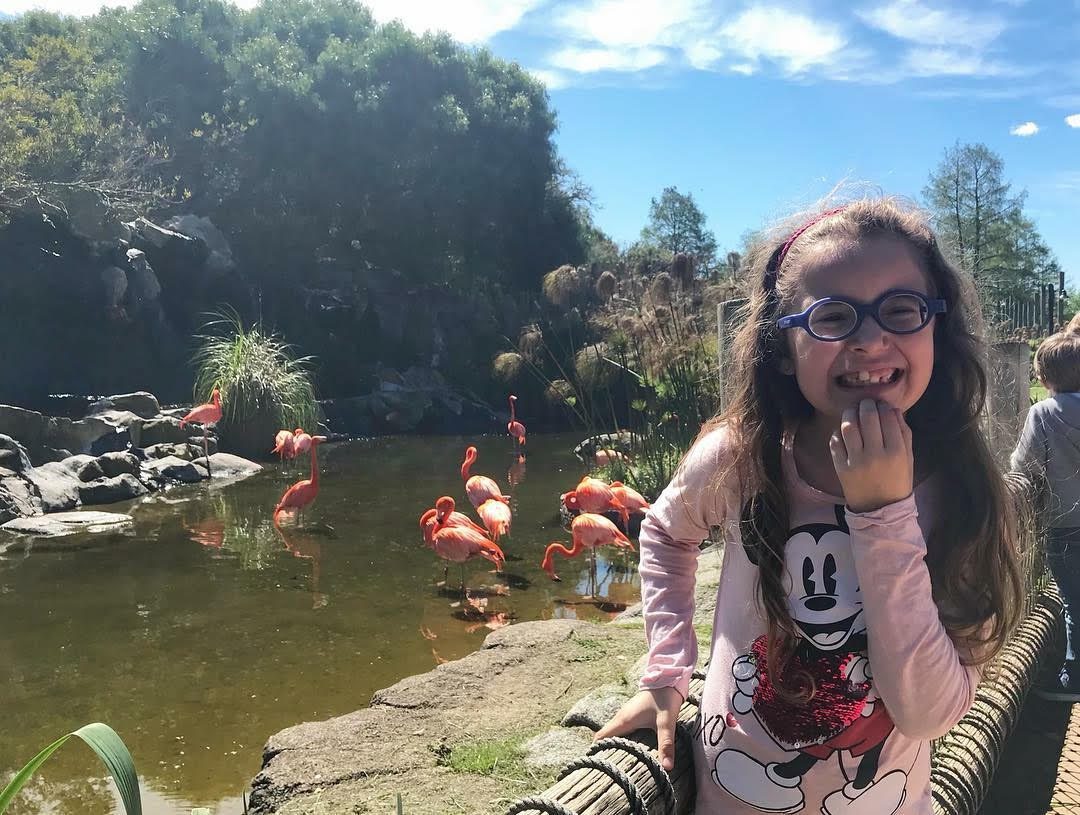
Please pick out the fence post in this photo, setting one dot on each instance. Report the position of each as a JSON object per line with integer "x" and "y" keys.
{"x": 729, "y": 314}
{"x": 1008, "y": 397}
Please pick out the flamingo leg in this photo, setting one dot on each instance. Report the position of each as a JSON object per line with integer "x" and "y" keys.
{"x": 464, "y": 593}
{"x": 206, "y": 450}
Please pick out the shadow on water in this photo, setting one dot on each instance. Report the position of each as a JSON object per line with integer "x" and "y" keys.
{"x": 207, "y": 630}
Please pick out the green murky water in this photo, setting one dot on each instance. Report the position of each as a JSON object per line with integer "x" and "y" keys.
{"x": 207, "y": 630}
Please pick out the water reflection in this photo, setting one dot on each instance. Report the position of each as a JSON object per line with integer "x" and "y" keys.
{"x": 208, "y": 629}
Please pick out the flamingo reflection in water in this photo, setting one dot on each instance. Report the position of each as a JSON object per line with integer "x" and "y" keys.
{"x": 305, "y": 547}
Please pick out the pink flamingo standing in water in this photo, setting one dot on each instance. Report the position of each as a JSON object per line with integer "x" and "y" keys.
{"x": 496, "y": 517}
{"x": 429, "y": 521}
{"x": 301, "y": 494}
{"x": 301, "y": 441}
{"x": 514, "y": 427}
{"x": 593, "y": 495}
{"x": 479, "y": 488}
{"x": 206, "y": 414}
{"x": 284, "y": 445}
{"x": 589, "y": 530}
{"x": 458, "y": 544}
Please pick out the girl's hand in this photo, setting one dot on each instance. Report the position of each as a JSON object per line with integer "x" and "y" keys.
{"x": 873, "y": 457}
{"x": 648, "y": 709}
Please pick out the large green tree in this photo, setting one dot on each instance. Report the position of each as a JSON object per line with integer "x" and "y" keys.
{"x": 676, "y": 224}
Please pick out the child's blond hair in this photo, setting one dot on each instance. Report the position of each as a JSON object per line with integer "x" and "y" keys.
{"x": 1057, "y": 360}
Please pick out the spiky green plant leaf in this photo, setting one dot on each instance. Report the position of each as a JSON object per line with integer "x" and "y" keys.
{"x": 110, "y": 748}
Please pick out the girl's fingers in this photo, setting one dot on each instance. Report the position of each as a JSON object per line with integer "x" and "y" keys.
{"x": 665, "y": 737}
{"x": 891, "y": 433}
{"x": 870, "y": 425}
{"x": 849, "y": 431}
{"x": 838, "y": 451}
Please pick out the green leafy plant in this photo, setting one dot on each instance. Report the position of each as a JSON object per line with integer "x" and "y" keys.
{"x": 110, "y": 748}
{"x": 264, "y": 388}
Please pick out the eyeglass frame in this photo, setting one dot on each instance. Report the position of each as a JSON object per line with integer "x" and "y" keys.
{"x": 934, "y": 306}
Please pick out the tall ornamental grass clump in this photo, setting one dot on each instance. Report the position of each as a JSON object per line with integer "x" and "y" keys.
{"x": 264, "y": 388}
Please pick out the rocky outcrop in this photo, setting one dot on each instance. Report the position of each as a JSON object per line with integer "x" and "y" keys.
{"x": 108, "y": 464}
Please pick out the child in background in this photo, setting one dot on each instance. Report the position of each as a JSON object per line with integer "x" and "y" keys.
{"x": 869, "y": 569}
{"x": 1049, "y": 452}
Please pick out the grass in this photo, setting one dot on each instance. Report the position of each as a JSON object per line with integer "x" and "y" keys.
{"x": 256, "y": 372}
{"x": 1038, "y": 392}
{"x": 502, "y": 757}
{"x": 590, "y": 649}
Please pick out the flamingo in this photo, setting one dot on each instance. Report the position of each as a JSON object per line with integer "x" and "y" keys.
{"x": 457, "y": 544}
{"x": 205, "y": 414}
{"x": 479, "y": 488}
{"x": 630, "y": 498}
{"x": 514, "y": 427}
{"x": 608, "y": 456}
{"x": 496, "y": 517}
{"x": 284, "y": 446}
{"x": 589, "y": 530}
{"x": 302, "y": 493}
{"x": 429, "y": 522}
{"x": 593, "y": 495}
{"x": 301, "y": 441}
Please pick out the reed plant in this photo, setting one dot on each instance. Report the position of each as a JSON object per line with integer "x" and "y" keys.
{"x": 264, "y": 386}
{"x": 109, "y": 747}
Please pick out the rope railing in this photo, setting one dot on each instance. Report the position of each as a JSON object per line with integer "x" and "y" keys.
{"x": 622, "y": 776}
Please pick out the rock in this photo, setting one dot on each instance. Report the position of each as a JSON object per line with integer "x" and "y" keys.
{"x": 62, "y": 524}
{"x": 117, "y": 441}
{"x": 551, "y": 751}
{"x": 184, "y": 451}
{"x": 597, "y": 707}
{"x": 79, "y": 436}
{"x": 111, "y": 490}
{"x": 197, "y": 443}
{"x": 114, "y": 281}
{"x": 173, "y": 468}
{"x": 12, "y": 455}
{"x": 226, "y": 465}
{"x": 163, "y": 430}
{"x": 50, "y": 455}
{"x": 91, "y": 471}
{"x": 28, "y": 426}
{"x": 220, "y": 259}
{"x": 17, "y": 499}
{"x": 154, "y": 235}
{"x": 57, "y": 485}
{"x": 113, "y": 464}
{"x": 142, "y": 404}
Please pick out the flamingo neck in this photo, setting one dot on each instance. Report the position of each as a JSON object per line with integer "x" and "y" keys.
{"x": 512, "y": 419}
{"x": 466, "y": 466}
{"x": 561, "y": 548}
{"x": 314, "y": 466}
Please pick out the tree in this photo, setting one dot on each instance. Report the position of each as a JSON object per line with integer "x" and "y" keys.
{"x": 979, "y": 216}
{"x": 677, "y": 225}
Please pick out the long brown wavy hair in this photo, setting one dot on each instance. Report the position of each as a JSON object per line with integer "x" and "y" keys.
{"x": 971, "y": 553}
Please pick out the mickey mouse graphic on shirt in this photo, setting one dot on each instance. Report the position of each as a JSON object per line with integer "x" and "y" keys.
{"x": 845, "y": 714}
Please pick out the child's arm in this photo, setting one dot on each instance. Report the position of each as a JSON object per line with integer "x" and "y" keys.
{"x": 1031, "y": 453}
{"x": 916, "y": 666}
{"x": 670, "y": 538}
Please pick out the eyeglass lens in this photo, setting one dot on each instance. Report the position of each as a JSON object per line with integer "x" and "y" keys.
{"x": 901, "y": 313}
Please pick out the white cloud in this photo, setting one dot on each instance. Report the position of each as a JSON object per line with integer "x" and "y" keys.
{"x": 470, "y": 21}
{"x": 911, "y": 20}
{"x": 553, "y": 80}
{"x": 1026, "y": 129}
{"x": 793, "y": 41}
{"x": 1073, "y": 121}
{"x": 922, "y": 62}
{"x": 635, "y": 23}
{"x": 590, "y": 60}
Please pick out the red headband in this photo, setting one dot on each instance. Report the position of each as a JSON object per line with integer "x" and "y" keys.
{"x": 795, "y": 235}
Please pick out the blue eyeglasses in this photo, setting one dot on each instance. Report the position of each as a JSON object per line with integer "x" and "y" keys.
{"x": 898, "y": 311}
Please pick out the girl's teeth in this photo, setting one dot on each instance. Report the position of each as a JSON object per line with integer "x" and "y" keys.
{"x": 860, "y": 378}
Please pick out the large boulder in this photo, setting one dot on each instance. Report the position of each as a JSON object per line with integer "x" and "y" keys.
{"x": 165, "y": 430}
{"x": 142, "y": 404}
{"x": 224, "y": 465}
{"x": 64, "y": 524}
{"x": 12, "y": 455}
{"x": 172, "y": 468}
{"x": 17, "y": 498}
{"x": 56, "y": 484}
{"x": 79, "y": 436}
{"x": 220, "y": 259}
{"x": 113, "y": 464}
{"x": 111, "y": 490}
{"x": 28, "y": 426}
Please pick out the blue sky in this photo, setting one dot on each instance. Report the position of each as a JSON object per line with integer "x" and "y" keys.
{"x": 758, "y": 107}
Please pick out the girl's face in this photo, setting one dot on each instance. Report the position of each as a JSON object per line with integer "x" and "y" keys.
{"x": 871, "y": 363}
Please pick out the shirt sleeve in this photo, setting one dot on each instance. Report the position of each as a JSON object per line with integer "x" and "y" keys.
{"x": 670, "y": 539}
{"x": 1031, "y": 453}
{"x": 915, "y": 665}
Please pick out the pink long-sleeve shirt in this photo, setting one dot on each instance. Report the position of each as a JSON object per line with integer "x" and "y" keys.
{"x": 888, "y": 677}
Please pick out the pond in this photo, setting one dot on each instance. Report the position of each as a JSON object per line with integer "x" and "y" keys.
{"x": 207, "y": 630}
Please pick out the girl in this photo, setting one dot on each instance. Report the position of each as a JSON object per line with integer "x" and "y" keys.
{"x": 869, "y": 569}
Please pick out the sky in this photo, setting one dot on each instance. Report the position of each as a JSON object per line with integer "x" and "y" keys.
{"x": 759, "y": 107}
